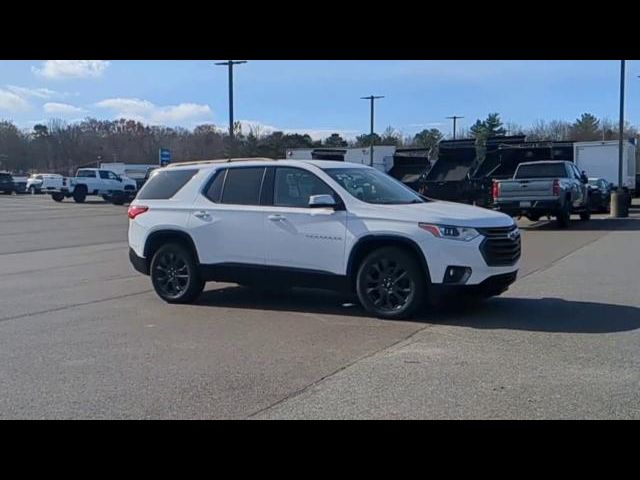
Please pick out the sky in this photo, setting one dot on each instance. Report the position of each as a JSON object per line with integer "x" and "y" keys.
{"x": 316, "y": 96}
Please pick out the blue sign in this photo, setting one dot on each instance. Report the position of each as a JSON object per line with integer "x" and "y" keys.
{"x": 165, "y": 157}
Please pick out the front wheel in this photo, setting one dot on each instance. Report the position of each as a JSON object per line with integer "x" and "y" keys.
{"x": 174, "y": 274}
{"x": 79, "y": 195}
{"x": 390, "y": 285}
{"x": 32, "y": 190}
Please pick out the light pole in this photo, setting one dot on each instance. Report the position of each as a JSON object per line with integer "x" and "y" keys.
{"x": 619, "y": 205}
{"x": 455, "y": 119}
{"x": 620, "y": 141}
{"x": 229, "y": 64}
{"x": 372, "y": 99}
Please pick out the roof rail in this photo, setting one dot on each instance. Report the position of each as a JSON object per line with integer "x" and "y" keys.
{"x": 226, "y": 160}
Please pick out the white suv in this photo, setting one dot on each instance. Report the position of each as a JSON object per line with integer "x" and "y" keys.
{"x": 318, "y": 224}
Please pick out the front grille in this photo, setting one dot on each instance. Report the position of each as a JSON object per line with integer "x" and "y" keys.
{"x": 498, "y": 249}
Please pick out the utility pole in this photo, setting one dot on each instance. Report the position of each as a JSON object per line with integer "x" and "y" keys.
{"x": 455, "y": 119}
{"x": 229, "y": 64}
{"x": 620, "y": 142}
{"x": 372, "y": 99}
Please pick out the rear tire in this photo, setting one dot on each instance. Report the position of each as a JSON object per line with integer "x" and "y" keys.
{"x": 389, "y": 284}
{"x": 57, "y": 197}
{"x": 174, "y": 274}
{"x": 585, "y": 216}
{"x": 564, "y": 217}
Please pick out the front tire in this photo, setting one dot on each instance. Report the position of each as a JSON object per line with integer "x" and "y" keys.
{"x": 79, "y": 195}
{"x": 389, "y": 284}
{"x": 174, "y": 274}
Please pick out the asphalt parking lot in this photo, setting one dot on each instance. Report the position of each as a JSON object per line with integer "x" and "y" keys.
{"x": 82, "y": 335}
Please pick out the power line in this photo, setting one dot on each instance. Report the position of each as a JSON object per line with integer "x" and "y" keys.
{"x": 372, "y": 99}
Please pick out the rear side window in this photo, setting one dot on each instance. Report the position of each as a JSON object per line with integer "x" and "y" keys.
{"x": 543, "y": 170}
{"x": 242, "y": 186}
{"x": 214, "y": 191}
{"x": 164, "y": 185}
{"x": 86, "y": 174}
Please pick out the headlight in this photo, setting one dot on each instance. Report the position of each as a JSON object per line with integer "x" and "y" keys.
{"x": 465, "y": 234}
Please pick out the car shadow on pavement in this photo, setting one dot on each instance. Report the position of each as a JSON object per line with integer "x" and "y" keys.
{"x": 554, "y": 315}
{"x": 302, "y": 300}
{"x": 539, "y": 315}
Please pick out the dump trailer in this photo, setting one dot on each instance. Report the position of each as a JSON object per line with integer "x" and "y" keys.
{"x": 464, "y": 172}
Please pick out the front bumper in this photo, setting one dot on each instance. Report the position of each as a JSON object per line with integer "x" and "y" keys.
{"x": 491, "y": 286}
{"x": 441, "y": 254}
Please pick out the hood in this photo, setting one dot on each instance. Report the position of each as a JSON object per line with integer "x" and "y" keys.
{"x": 442, "y": 213}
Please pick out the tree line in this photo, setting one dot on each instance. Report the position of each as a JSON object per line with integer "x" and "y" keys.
{"x": 63, "y": 147}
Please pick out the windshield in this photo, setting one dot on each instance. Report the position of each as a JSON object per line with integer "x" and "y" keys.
{"x": 373, "y": 186}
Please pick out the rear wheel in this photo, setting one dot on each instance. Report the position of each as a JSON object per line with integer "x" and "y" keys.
{"x": 390, "y": 285}
{"x": 57, "y": 197}
{"x": 564, "y": 217}
{"x": 174, "y": 274}
{"x": 586, "y": 215}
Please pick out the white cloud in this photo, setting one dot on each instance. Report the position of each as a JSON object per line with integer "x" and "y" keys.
{"x": 186, "y": 114}
{"x": 64, "y": 109}
{"x": 56, "y": 69}
{"x": 43, "y": 93}
{"x": 11, "y": 102}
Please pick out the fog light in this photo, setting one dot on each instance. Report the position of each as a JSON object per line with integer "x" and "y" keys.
{"x": 458, "y": 275}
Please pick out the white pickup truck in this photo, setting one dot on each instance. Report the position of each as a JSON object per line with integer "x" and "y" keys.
{"x": 98, "y": 182}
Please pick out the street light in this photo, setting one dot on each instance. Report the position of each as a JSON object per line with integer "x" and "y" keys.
{"x": 229, "y": 64}
{"x": 455, "y": 119}
{"x": 372, "y": 99}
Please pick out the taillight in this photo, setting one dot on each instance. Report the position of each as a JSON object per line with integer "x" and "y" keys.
{"x": 556, "y": 188}
{"x": 495, "y": 191}
{"x": 135, "y": 210}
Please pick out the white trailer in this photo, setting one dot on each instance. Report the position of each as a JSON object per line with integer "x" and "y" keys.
{"x": 600, "y": 160}
{"x": 382, "y": 155}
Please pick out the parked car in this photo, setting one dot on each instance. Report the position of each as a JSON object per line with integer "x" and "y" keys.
{"x": 600, "y": 194}
{"x": 7, "y": 186}
{"x": 98, "y": 182}
{"x": 547, "y": 188}
{"x": 20, "y": 183}
{"x": 44, "y": 183}
{"x": 315, "y": 223}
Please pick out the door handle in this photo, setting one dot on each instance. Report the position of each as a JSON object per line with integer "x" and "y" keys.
{"x": 276, "y": 218}
{"x": 202, "y": 215}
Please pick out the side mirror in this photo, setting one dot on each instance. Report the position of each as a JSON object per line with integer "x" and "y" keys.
{"x": 322, "y": 201}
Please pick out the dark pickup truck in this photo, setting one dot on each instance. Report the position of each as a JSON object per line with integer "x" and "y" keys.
{"x": 544, "y": 189}
{"x": 7, "y": 186}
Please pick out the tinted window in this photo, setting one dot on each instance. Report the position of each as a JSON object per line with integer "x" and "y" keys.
{"x": 242, "y": 186}
{"x": 164, "y": 185}
{"x": 542, "y": 170}
{"x": 294, "y": 187}
{"x": 86, "y": 174}
{"x": 215, "y": 189}
{"x": 104, "y": 175}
